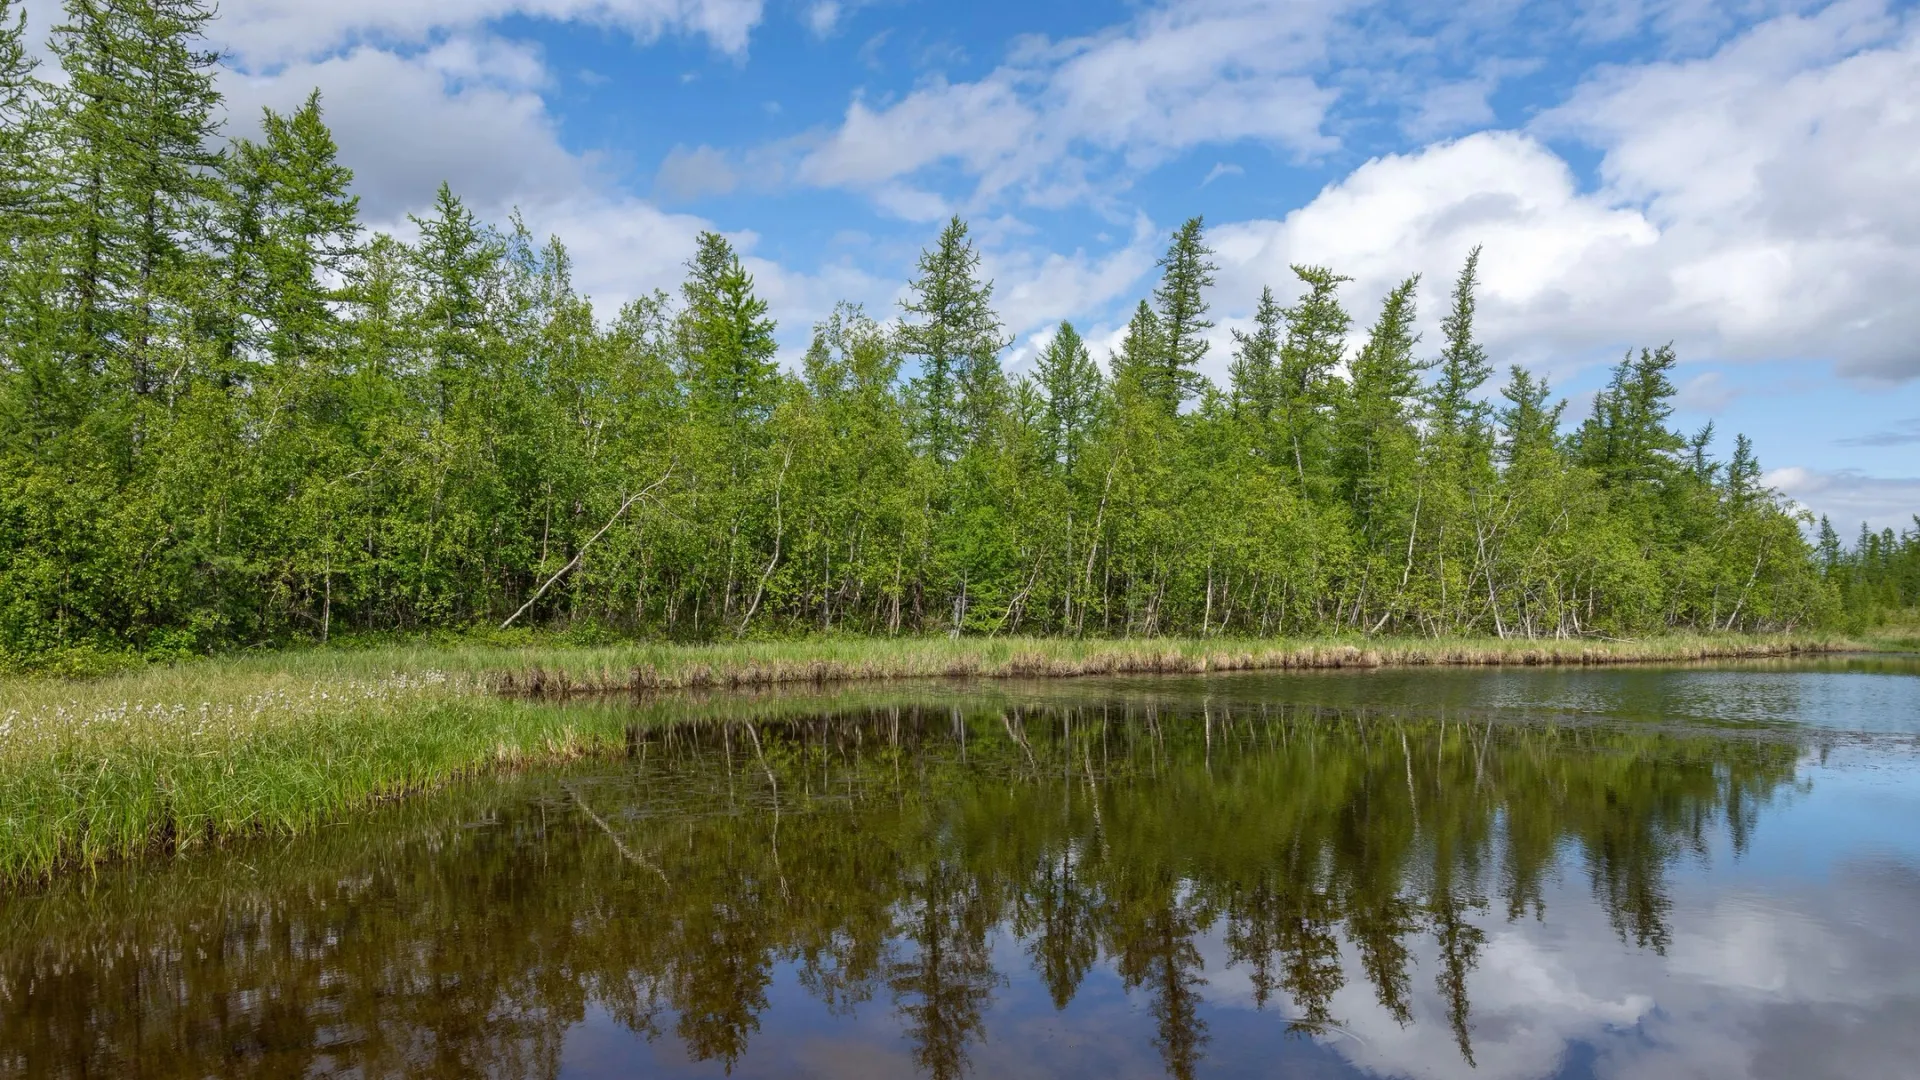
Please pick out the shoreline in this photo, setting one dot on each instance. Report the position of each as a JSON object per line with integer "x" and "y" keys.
{"x": 176, "y": 759}
{"x": 1082, "y": 659}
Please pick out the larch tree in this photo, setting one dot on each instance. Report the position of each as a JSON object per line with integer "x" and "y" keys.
{"x": 948, "y": 327}
{"x": 1072, "y": 385}
{"x": 1180, "y": 302}
{"x": 134, "y": 124}
{"x": 1317, "y": 328}
{"x": 1254, "y": 371}
{"x": 1374, "y": 440}
{"x": 1462, "y": 369}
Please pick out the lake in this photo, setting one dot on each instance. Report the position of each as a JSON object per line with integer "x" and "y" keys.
{"x": 1515, "y": 873}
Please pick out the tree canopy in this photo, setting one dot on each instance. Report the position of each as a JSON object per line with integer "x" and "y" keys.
{"x": 229, "y": 416}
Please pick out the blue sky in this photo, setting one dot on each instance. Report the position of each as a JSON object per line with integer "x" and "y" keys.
{"x": 1736, "y": 178}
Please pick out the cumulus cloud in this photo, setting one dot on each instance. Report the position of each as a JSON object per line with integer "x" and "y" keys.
{"x": 1034, "y": 291}
{"x": 468, "y": 113}
{"x": 1754, "y": 205}
{"x": 1175, "y": 77}
{"x": 1850, "y": 495}
{"x": 1779, "y": 171}
{"x": 1545, "y": 242}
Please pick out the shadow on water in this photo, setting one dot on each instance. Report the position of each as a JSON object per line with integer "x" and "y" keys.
{"x": 918, "y": 872}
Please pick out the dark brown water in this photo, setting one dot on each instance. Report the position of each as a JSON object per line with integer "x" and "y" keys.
{"x": 1635, "y": 873}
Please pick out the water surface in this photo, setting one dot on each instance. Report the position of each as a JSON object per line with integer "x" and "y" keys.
{"x": 1693, "y": 871}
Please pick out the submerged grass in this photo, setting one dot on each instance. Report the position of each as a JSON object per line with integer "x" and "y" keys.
{"x": 170, "y": 759}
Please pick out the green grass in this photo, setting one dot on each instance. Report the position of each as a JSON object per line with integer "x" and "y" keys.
{"x": 182, "y": 756}
{"x": 1898, "y": 632}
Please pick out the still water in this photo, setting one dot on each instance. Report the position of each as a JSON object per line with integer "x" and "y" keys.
{"x": 1680, "y": 872}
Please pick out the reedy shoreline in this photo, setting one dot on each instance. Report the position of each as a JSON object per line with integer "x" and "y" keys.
{"x": 170, "y": 759}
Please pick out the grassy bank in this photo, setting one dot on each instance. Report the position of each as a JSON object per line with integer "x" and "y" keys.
{"x": 173, "y": 758}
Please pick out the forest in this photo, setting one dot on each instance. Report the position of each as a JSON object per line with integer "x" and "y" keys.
{"x": 232, "y": 417}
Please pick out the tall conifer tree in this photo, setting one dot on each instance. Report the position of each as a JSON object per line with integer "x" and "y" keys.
{"x": 1463, "y": 368}
{"x": 135, "y": 124}
{"x": 1372, "y": 435}
{"x": 1136, "y": 364}
{"x": 1316, "y": 336}
{"x": 949, "y": 327}
{"x": 1071, "y": 382}
{"x": 1181, "y": 304}
{"x": 21, "y": 193}
{"x": 728, "y": 338}
{"x": 1254, "y": 371}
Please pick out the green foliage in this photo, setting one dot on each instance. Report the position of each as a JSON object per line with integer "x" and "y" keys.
{"x": 1877, "y": 579}
{"x": 950, "y": 330}
{"x": 229, "y": 419}
{"x": 1181, "y": 303}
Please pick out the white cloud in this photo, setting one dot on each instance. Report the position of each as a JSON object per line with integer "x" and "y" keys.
{"x": 271, "y": 32}
{"x": 822, "y": 17}
{"x": 1779, "y": 171}
{"x": 1033, "y": 291}
{"x": 1421, "y": 213}
{"x": 1685, "y": 24}
{"x": 1849, "y": 496}
{"x": 693, "y": 173}
{"x": 466, "y": 112}
{"x": 1178, "y": 76}
{"x": 910, "y": 203}
{"x": 1756, "y": 204}
{"x": 1448, "y": 108}
{"x": 1707, "y": 392}
{"x": 1220, "y": 169}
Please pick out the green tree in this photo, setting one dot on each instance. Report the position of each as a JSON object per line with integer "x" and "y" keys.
{"x": 1316, "y": 339}
{"x": 1072, "y": 384}
{"x": 133, "y": 126}
{"x": 949, "y": 327}
{"x": 1180, "y": 301}
{"x": 1254, "y": 371}
{"x": 728, "y": 339}
{"x": 1463, "y": 369}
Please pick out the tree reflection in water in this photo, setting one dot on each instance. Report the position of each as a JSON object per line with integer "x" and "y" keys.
{"x": 876, "y": 854}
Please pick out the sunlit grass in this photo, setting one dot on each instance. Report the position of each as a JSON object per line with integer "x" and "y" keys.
{"x": 177, "y": 757}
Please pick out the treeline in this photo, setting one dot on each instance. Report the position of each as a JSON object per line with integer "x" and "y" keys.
{"x": 1878, "y": 578}
{"x": 228, "y": 416}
